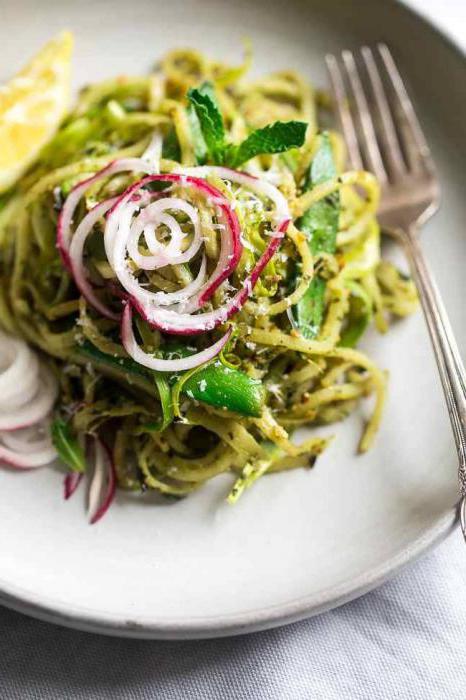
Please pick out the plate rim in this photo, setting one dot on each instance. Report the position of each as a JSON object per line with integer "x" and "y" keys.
{"x": 207, "y": 627}
{"x": 204, "y": 627}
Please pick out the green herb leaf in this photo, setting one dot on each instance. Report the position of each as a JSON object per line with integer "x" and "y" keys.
{"x": 320, "y": 224}
{"x": 205, "y": 104}
{"x": 171, "y": 147}
{"x": 309, "y": 311}
{"x": 323, "y": 165}
{"x": 359, "y": 317}
{"x": 274, "y": 138}
{"x": 200, "y": 148}
{"x": 67, "y": 446}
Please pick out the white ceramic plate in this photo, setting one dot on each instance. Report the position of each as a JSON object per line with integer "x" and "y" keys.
{"x": 297, "y": 543}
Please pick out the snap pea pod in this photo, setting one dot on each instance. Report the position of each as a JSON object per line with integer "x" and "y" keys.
{"x": 215, "y": 384}
{"x": 224, "y": 387}
{"x": 320, "y": 224}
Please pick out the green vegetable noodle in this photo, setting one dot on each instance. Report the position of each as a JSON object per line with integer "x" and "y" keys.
{"x": 195, "y": 322}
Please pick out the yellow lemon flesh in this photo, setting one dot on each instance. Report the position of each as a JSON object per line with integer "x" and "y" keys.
{"x": 32, "y": 106}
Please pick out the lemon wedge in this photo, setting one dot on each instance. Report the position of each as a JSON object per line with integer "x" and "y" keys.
{"x": 32, "y": 106}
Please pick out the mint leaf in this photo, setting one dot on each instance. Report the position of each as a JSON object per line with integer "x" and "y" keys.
{"x": 200, "y": 148}
{"x": 323, "y": 165}
{"x": 206, "y": 107}
{"x": 309, "y": 312}
{"x": 320, "y": 224}
{"x": 171, "y": 147}
{"x": 359, "y": 317}
{"x": 274, "y": 138}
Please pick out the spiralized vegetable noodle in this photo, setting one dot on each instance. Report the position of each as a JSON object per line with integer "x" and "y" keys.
{"x": 308, "y": 274}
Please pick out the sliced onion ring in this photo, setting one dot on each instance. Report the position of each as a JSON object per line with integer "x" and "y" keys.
{"x": 28, "y": 448}
{"x": 19, "y": 376}
{"x": 33, "y": 411}
{"x": 158, "y": 364}
{"x": 32, "y": 439}
{"x": 175, "y": 323}
{"x": 71, "y": 483}
{"x": 65, "y": 220}
{"x": 119, "y": 216}
{"x": 75, "y": 256}
{"x": 261, "y": 187}
{"x": 21, "y": 460}
{"x": 27, "y": 393}
{"x": 103, "y": 484}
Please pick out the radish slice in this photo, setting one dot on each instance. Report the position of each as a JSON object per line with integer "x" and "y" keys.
{"x": 103, "y": 483}
{"x": 71, "y": 483}
{"x": 147, "y": 360}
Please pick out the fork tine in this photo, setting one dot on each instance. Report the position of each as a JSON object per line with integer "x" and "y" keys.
{"x": 415, "y": 143}
{"x": 372, "y": 150}
{"x": 387, "y": 136}
{"x": 344, "y": 113}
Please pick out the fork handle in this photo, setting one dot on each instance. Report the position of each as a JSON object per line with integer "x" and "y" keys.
{"x": 449, "y": 363}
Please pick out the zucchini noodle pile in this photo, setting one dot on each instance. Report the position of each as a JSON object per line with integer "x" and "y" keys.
{"x": 270, "y": 345}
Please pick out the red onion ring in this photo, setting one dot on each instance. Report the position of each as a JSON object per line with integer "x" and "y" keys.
{"x": 75, "y": 256}
{"x": 19, "y": 374}
{"x": 71, "y": 483}
{"x": 27, "y": 448}
{"x": 231, "y": 246}
{"x": 27, "y": 394}
{"x": 65, "y": 218}
{"x": 103, "y": 484}
{"x": 21, "y": 460}
{"x": 158, "y": 364}
{"x": 176, "y": 323}
{"x": 122, "y": 234}
{"x": 33, "y": 411}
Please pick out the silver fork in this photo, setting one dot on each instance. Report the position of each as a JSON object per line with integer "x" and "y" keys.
{"x": 383, "y": 135}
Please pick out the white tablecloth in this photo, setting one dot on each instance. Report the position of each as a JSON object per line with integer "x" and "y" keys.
{"x": 405, "y": 640}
